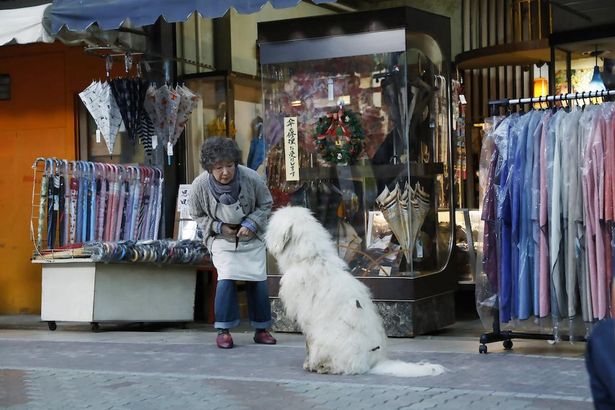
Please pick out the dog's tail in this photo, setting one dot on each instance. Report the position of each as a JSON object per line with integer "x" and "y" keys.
{"x": 404, "y": 369}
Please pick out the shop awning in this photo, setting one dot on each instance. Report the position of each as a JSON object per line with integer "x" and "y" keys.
{"x": 23, "y": 25}
{"x": 78, "y": 15}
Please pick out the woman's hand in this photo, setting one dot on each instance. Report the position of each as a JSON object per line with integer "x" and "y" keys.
{"x": 229, "y": 230}
{"x": 245, "y": 232}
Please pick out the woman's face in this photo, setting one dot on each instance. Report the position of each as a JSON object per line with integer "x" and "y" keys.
{"x": 224, "y": 171}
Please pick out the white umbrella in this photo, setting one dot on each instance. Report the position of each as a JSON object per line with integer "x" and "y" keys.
{"x": 99, "y": 101}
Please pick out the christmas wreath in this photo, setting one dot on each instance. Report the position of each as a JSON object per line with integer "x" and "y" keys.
{"x": 339, "y": 136}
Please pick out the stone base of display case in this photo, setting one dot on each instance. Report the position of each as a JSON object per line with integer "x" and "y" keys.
{"x": 401, "y": 318}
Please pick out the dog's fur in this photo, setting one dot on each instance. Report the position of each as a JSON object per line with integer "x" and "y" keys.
{"x": 343, "y": 330}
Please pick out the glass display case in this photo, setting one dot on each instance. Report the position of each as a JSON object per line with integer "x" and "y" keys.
{"x": 357, "y": 128}
{"x": 230, "y": 107}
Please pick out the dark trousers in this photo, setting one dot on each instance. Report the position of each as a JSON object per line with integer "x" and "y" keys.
{"x": 227, "y": 308}
{"x": 600, "y": 361}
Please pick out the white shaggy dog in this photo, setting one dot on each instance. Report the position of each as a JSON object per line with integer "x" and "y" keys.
{"x": 344, "y": 332}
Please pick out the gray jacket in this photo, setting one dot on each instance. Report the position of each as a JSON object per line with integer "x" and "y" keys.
{"x": 254, "y": 197}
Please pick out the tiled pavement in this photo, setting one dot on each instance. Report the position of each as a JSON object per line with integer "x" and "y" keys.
{"x": 128, "y": 368}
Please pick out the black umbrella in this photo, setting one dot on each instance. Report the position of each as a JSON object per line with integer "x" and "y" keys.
{"x": 129, "y": 98}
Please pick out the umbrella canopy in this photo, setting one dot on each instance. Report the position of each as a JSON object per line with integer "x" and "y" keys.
{"x": 187, "y": 103}
{"x": 161, "y": 105}
{"x": 129, "y": 93}
{"x": 98, "y": 99}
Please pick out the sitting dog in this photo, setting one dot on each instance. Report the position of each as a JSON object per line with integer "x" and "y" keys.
{"x": 344, "y": 332}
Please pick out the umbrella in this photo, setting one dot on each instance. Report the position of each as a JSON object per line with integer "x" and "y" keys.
{"x": 387, "y": 201}
{"x": 129, "y": 95}
{"x": 99, "y": 101}
{"x": 161, "y": 105}
{"x": 187, "y": 103}
{"x": 405, "y": 212}
{"x": 420, "y": 208}
{"x": 145, "y": 131}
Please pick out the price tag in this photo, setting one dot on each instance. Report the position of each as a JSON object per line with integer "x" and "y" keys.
{"x": 419, "y": 249}
{"x": 154, "y": 141}
{"x": 462, "y": 99}
{"x": 330, "y": 90}
{"x": 170, "y": 149}
{"x": 97, "y": 136}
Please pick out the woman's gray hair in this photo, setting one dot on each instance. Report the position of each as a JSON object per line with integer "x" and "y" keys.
{"x": 219, "y": 149}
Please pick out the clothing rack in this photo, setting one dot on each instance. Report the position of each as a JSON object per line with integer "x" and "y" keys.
{"x": 494, "y": 104}
{"x": 506, "y": 336}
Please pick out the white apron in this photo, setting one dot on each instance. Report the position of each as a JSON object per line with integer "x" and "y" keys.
{"x": 247, "y": 262}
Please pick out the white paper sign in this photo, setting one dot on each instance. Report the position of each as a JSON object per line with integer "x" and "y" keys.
{"x": 291, "y": 149}
{"x": 377, "y": 98}
{"x": 182, "y": 200}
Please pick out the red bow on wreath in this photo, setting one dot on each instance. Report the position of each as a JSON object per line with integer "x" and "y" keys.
{"x": 339, "y": 136}
{"x": 336, "y": 123}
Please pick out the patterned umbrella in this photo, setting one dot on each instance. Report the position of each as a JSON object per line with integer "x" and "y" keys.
{"x": 129, "y": 97}
{"x": 161, "y": 106}
{"x": 99, "y": 101}
{"x": 187, "y": 103}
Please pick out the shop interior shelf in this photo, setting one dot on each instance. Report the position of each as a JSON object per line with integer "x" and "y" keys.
{"x": 367, "y": 171}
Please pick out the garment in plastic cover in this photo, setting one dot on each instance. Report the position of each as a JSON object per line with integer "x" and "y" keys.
{"x": 486, "y": 274}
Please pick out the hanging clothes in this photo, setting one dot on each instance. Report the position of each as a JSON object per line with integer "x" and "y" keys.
{"x": 549, "y": 213}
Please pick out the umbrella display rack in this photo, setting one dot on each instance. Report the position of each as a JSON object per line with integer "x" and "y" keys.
{"x": 80, "y": 211}
{"x": 155, "y": 116}
{"x": 75, "y": 202}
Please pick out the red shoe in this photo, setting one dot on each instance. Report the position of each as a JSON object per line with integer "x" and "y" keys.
{"x": 263, "y": 337}
{"x": 224, "y": 340}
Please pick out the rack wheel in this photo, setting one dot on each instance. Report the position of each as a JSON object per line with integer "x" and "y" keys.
{"x": 95, "y": 327}
{"x": 52, "y": 325}
{"x": 508, "y": 344}
{"x": 482, "y": 349}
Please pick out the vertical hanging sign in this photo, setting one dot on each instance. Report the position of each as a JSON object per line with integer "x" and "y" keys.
{"x": 291, "y": 148}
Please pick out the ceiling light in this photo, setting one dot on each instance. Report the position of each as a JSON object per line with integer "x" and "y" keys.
{"x": 596, "y": 83}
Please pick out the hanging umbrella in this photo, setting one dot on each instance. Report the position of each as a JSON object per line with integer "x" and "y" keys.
{"x": 167, "y": 103}
{"x": 187, "y": 103}
{"x": 128, "y": 96}
{"x": 161, "y": 106}
{"x": 99, "y": 101}
{"x": 145, "y": 131}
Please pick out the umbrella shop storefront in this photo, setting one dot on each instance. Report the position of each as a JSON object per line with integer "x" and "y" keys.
{"x": 93, "y": 138}
{"x": 94, "y": 175}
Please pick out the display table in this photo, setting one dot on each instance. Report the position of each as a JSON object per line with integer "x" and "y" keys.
{"x": 80, "y": 290}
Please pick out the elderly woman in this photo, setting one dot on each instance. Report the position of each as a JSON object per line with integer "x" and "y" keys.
{"x": 231, "y": 204}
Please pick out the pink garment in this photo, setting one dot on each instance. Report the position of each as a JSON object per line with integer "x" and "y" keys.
{"x": 112, "y": 199}
{"x": 544, "y": 287}
{"x": 609, "y": 165}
